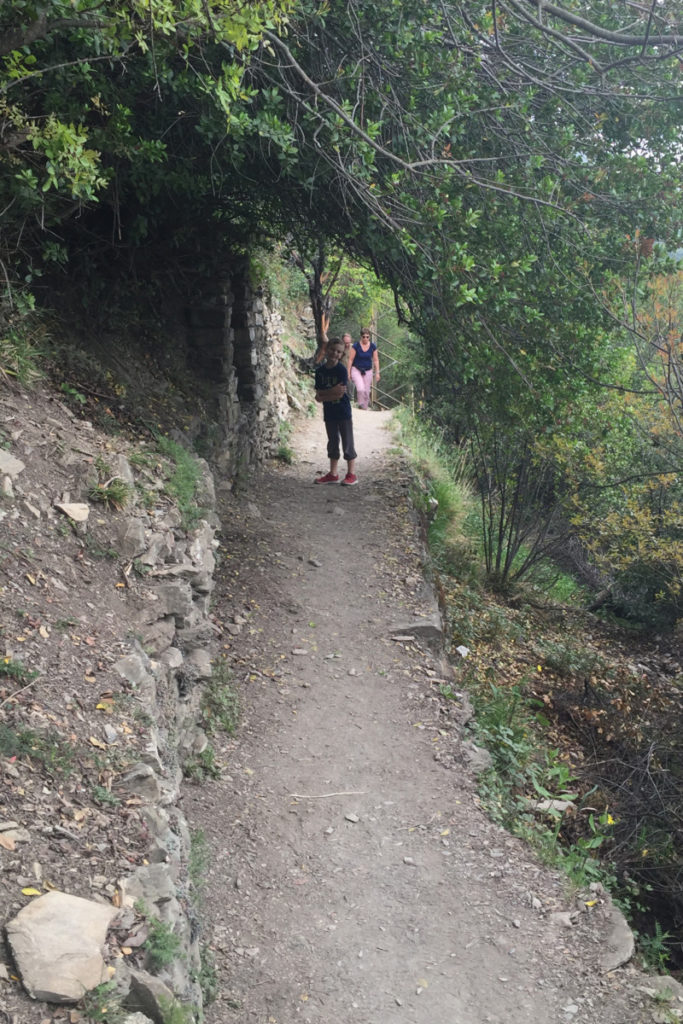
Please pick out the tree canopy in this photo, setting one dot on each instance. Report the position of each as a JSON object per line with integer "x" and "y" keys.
{"x": 504, "y": 167}
{"x": 392, "y": 129}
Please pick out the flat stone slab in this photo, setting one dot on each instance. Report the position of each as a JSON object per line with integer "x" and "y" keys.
{"x": 76, "y": 510}
{"x": 429, "y": 629}
{"x": 619, "y": 944}
{"x": 56, "y": 941}
{"x": 9, "y": 465}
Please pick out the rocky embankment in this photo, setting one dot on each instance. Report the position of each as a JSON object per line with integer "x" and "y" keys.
{"x": 107, "y": 644}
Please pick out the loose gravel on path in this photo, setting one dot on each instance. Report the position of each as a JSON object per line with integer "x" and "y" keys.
{"x": 353, "y": 878}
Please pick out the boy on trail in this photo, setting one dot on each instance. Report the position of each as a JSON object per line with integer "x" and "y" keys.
{"x": 330, "y": 389}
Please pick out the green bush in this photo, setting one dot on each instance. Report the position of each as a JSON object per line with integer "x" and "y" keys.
{"x": 220, "y": 706}
{"x": 162, "y": 945}
{"x": 47, "y": 748}
{"x": 181, "y": 483}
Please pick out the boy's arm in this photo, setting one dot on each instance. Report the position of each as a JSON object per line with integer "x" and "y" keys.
{"x": 331, "y": 394}
{"x": 319, "y": 356}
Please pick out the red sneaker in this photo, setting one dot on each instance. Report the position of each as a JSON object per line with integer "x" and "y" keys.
{"x": 349, "y": 480}
{"x": 329, "y": 478}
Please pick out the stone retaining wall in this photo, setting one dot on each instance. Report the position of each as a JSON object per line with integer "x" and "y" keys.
{"x": 234, "y": 345}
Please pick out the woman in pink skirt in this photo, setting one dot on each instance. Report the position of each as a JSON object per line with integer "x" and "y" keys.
{"x": 363, "y": 359}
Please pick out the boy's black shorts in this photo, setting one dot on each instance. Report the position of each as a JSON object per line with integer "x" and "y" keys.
{"x": 337, "y": 429}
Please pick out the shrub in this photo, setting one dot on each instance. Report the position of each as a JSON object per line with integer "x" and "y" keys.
{"x": 220, "y": 702}
{"x": 162, "y": 945}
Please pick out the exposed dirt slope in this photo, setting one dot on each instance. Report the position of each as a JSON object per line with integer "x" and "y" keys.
{"x": 354, "y": 878}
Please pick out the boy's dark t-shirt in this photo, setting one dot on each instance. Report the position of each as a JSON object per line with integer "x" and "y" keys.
{"x": 327, "y": 377}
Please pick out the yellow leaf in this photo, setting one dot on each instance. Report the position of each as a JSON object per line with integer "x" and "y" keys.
{"x": 126, "y": 950}
{"x": 29, "y": 891}
{"x": 30, "y": 578}
{"x": 44, "y": 632}
{"x": 98, "y": 743}
{"x": 121, "y": 586}
{"x": 89, "y": 678}
{"x": 446, "y": 832}
{"x": 590, "y": 903}
{"x": 104, "y": 707}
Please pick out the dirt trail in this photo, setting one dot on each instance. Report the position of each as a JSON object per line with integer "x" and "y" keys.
{"x": 353, "y": 877}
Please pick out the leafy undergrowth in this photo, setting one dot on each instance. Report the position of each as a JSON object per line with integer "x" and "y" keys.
{"x": 583, "y": 724}
{"x": 581, "y": 718}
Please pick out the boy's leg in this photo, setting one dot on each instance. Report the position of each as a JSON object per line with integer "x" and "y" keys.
{"x": 332, "y": 431}
{"x": 349, "y": 449}
{"x": 334, "y": 446}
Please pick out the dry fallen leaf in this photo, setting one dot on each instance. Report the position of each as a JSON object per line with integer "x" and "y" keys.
{"x": 7, "y": 843}
{"x": 98, "y": 743}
